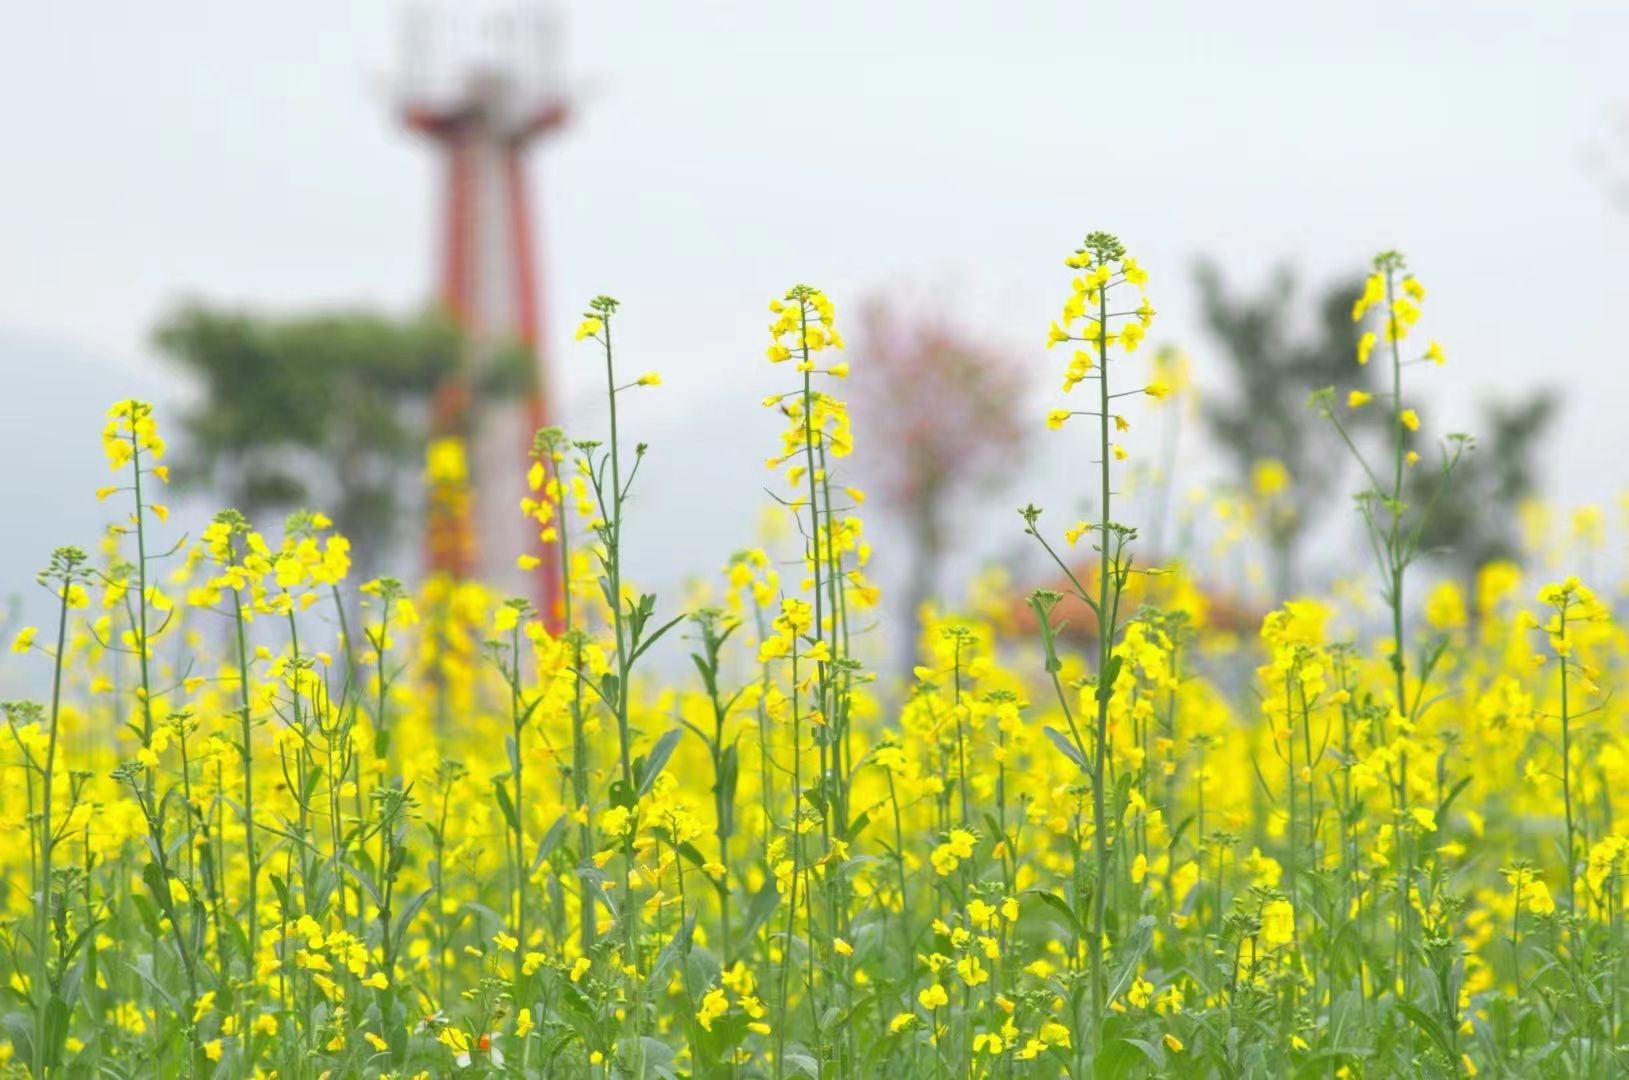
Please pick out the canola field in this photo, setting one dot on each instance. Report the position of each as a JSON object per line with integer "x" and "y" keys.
{"x": 274, "y": 821}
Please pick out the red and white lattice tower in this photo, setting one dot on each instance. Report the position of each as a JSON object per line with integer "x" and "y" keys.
{"x": 483, "y": 87}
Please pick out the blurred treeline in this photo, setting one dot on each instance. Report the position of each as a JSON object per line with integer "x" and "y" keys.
{"x": 1281, "y": 345}
{"x": 334, "y": 410}
{"x": 330, "y": 410}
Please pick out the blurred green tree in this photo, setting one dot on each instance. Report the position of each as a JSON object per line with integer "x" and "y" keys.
{"x": 329, "y": 410}
{"x": 1274, "y": 363}
{"x": 1474, "y": 519}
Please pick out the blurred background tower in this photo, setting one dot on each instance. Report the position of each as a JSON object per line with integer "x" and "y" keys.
{"x": 483, "y": 86}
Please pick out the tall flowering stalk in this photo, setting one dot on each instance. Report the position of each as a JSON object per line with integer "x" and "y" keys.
{"x": 1393, "y": 530}
{"x": 1101, "y": 270}
{"x": 817, "y": 431}
{"x": 64, "y": 579}
{"x": 1574, "y": 606}
{"x": 1575, "y": 624}
{"x": 715, "y": 628}
{"x": 131, "y": 437}
{"x": 633, "y": 634}
{"x": 816, "y": 633}
{"x": 243, "y": 560}
{"x": 546, "y": 507}
{"x": 504, "y": 649}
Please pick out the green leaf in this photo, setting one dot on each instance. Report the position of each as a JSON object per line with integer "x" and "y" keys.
{"x": 677, "y": 945}
{"x": 762, "y": 906}
{"x": 363, "y": 880}
{"x": 1105, "y": 681}
{"x": 1453, "y": 794}
{"x": 550, "y": 841}
{"x": 654, "y": 638}
{"x": 56, "y": 1030}
{"x": 280, "y": 887}
{"x": 1043, "y": 618}
{"x": 1070, "y": 751}
{"x": 801, "y": 1062}
{"x": 1121, "y": 1059}
{"x": 144, "y": 909}
{"x": 159, "y": 886}
{"x": 408, "y": 912}
{"x": 729, "y": 774}
{"x": 651, "y": 767}
{"x": 709, "y": 676}
{"x": 506, "y": 805}
{"x": 1142, "y": 935}
{"x": 1428, "y": 1025}
{"x": 1059, "y": 904}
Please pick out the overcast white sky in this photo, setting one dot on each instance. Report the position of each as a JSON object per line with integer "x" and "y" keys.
{"x": 728, "y": 149}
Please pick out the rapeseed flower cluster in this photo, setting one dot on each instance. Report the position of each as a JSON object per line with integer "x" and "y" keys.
{"x": 272, "y": 820}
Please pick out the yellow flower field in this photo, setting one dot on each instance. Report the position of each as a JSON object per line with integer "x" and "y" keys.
{"x": 272, "y": 820}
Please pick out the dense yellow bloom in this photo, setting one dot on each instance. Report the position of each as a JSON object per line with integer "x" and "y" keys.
{"x": 1374, "y": 293}
{"x": 469, "y": 814}
{"x": 1534, "y": 895}
{"x": 713, "y": 1005}
{"x": 1278, "y": 923}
